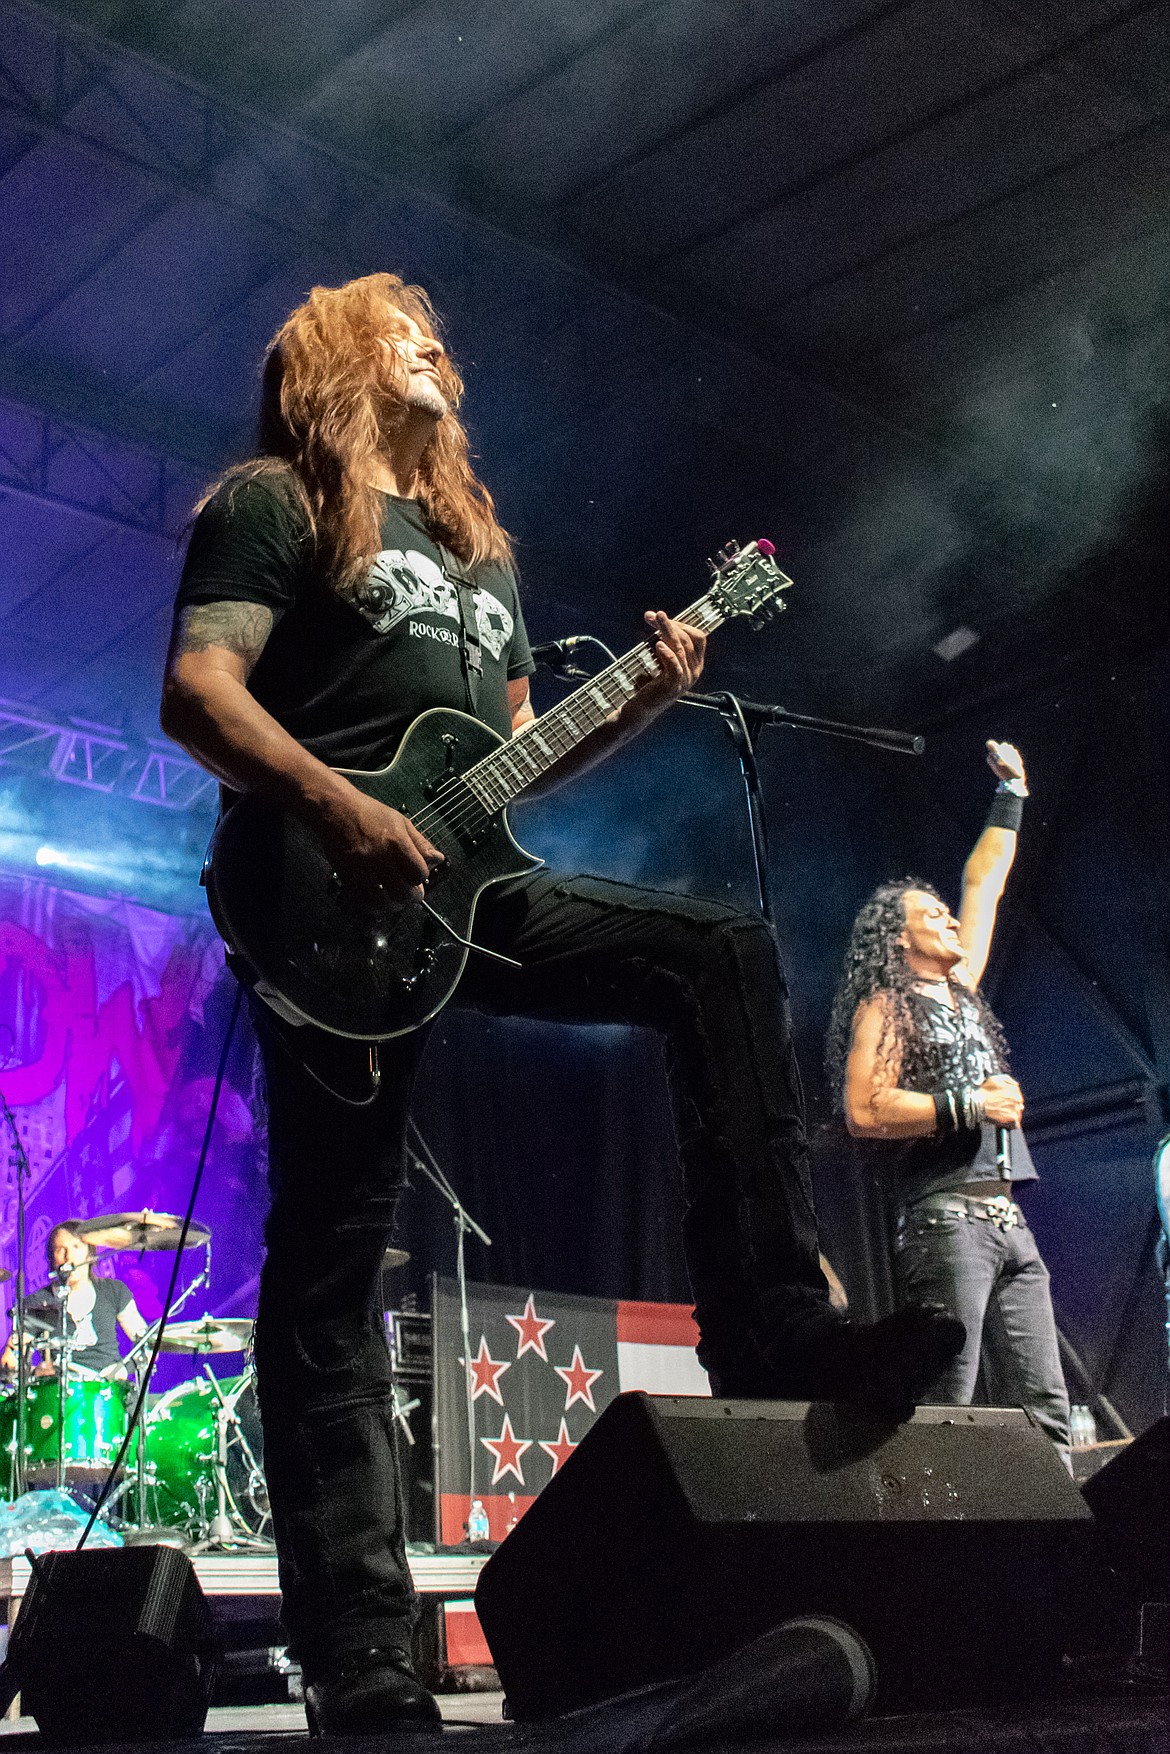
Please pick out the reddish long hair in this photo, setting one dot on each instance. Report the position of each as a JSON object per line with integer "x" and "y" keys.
{"x": 332, "y": 395}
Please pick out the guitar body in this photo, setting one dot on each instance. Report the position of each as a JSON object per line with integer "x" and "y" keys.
{"x": 318, "y": 953}
{"x": 321, "y": 955}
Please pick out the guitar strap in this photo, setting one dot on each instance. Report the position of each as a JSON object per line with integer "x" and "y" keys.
{"x": 469, "y": 642}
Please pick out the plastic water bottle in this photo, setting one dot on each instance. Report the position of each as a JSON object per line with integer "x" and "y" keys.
{"x": 1082, "y": 1426}
{"x": 478, "y": 1527}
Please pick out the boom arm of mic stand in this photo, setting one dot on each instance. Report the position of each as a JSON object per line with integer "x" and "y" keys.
{"x": 897, "y": 742}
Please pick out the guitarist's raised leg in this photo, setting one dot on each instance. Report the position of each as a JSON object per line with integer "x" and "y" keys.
{"x": 707, "y": 979}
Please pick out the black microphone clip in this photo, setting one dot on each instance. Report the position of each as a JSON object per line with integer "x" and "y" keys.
{"x": 556, "y": 655}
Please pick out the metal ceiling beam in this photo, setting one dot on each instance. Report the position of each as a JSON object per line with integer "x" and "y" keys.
{"x": 1046, "y": 178}
{"x": 248, "y": 131}
{"x": 115, "y": 503}
{"x": 92, "y": 403}
{"x": 187, "y": 141}
{"x": 76, "y": 752}
{"x": 555, "y": 69}
{"x": 732, "y": 100}
{"x": 826, "y": 173}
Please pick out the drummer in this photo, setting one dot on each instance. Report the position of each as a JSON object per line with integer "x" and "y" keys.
{"x": 94, "y": 1308}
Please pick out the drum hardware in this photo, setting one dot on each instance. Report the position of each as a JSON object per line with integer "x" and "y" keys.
{"x": 403, "y": 1408}
{"x": 194, "y": 1434}
{"x": 222, "y": 1532}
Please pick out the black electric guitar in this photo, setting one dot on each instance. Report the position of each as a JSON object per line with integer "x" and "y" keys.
{"x": 320, "y": 954}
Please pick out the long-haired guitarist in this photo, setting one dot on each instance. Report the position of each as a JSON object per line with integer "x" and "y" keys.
{"x": 351, "y": 576}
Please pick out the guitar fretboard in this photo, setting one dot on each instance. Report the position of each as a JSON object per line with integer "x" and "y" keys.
{"x": 510, "y": 769}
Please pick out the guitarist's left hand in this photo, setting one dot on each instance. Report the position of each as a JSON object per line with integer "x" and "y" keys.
{"x": 680, "y": 652}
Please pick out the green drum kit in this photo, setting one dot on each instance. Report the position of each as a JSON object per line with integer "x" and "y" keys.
{"x": 194, "y": 1469}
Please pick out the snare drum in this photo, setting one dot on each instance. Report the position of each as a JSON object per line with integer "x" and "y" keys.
{"x": 95, "y": 1424}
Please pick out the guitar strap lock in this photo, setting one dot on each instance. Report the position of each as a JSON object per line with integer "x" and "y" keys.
{"x": 469, "y": 641}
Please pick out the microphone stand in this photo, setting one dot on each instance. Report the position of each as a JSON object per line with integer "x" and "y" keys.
{"x": 464, "y": 1222}
{"x": 744, "y": 720}
{"x": 64, "y": 1362}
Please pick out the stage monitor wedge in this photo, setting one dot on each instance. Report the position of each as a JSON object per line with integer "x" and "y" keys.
{"x": 114, "y": 1645}
{"x": 681, "y": 1528}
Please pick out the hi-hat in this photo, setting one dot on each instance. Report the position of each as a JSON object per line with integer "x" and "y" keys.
{"x": 210, "y": 1334}
{"x": 139, "y": 1231}
{"x": 394, "y": 1258}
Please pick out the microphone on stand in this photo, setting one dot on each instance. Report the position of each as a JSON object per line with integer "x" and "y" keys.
{"x": 556, "y": 655}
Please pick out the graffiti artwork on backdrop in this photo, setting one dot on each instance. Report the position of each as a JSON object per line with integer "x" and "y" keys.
{"x": 111, "y": 1022}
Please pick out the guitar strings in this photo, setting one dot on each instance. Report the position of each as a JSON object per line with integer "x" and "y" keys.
{"x": 430, "y": 819}
{"x": 555, "y": 726}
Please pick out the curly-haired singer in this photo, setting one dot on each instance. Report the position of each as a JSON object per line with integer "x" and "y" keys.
{"x": 917, "y": 1059}
{"x": 318, "y": 615}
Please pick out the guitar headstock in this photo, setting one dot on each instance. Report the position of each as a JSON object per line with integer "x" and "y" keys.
{"x": 748, "y": 581}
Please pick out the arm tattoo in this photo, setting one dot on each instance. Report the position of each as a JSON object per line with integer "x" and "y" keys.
{"x": 242, "y": 628}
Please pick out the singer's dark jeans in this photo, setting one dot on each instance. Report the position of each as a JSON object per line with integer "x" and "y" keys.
{"x": 707, "y": 979}
{"x": 996, "y": 1283}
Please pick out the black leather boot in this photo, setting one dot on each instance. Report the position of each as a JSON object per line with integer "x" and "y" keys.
{"x": 882, "y": 1367}
{"x": 888, "y": 1366}
{"x": 366, "y": 1692}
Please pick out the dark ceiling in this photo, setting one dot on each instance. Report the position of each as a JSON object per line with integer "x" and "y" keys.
{"x": 887, "y": 281}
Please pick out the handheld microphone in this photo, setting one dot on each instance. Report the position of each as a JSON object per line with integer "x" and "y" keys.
{"x": 1003, "y": 1153}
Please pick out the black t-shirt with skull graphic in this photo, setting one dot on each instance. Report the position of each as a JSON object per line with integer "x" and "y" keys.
{"x": 347, "y": 676}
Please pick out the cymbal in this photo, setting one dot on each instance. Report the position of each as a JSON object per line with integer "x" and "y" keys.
{"x": 394, "y": 1258}
{"x": 208, "y": 1335}
{"x": 139, "y": 1231}
{"x": 4, "y": 1274}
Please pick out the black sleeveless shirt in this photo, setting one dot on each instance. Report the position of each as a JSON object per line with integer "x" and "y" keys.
{"x": 944, "y": 1162}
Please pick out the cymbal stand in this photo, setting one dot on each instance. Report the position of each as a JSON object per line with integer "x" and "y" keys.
{"x": 222, "y": 1532}
{"x": 23, "y": 1174}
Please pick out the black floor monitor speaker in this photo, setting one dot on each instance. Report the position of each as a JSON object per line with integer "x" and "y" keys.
{"x": 1130, "y": 1497}
{"x": 681, "y": 1528}
{"x": 114, "y": 1645}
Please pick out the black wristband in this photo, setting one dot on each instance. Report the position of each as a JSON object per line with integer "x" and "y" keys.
{"x": 1007, "y": 811}
{"x": 946, "y": 1112}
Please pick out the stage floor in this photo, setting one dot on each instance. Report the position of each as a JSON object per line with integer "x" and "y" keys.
{"x": 1118, "y": 1724}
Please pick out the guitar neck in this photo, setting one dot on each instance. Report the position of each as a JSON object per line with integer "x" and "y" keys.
{"x": 513, "y": 767}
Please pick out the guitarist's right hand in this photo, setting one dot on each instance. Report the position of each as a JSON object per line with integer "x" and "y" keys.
{"x": 377, "y": 851}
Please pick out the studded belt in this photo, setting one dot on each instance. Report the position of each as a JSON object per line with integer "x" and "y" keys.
{"x": 997, "y": 1209}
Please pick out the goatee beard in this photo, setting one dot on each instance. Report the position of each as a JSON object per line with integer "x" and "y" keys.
{"x": 428, "y": 399}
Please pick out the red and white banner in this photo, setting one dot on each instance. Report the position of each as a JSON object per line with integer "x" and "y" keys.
{"x": 543, "y": 1366}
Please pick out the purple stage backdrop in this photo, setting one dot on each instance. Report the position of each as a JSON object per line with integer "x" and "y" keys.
{"x": 111, "y": 1024}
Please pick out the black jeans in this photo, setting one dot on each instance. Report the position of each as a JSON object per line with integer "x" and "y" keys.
{"x": 707, "y": 979}
{"x": 992, "y": 1277}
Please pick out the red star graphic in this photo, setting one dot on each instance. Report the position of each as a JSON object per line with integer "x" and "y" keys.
{"x": 578, "y": 1380}
{"x": 486, "y": 1373}
{"x": 531, "y": 1330}
{"x": 507, "y": 1449}
{"x": 561, "y": 1450}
